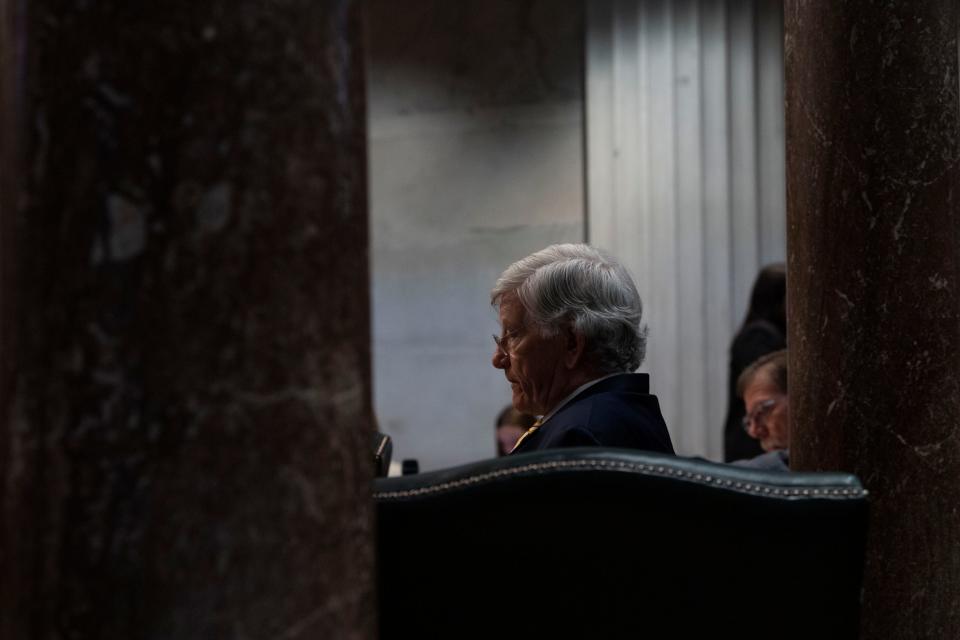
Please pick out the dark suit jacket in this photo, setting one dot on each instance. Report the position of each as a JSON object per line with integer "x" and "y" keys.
{"x": 616, "y": 412}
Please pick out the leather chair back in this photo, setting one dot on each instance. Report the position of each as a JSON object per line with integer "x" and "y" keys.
{"x": 606, "y": 543}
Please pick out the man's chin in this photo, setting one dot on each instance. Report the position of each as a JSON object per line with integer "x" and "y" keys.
{"x": 521, "y": 404}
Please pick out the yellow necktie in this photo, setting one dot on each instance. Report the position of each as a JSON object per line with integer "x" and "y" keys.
{"x": 526, "y": 434}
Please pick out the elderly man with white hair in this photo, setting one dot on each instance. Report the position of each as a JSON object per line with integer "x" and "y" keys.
{"x": 569, "y": 343}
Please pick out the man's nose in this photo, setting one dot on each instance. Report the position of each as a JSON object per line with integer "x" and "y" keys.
{"x": 499, "y": 358}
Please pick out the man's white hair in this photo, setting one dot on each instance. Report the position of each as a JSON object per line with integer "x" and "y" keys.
{"x": 579, "y": 286}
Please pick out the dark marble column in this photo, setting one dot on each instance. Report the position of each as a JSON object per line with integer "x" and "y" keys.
{"x": 184, "y": 324}
{"x": 874, "y": 249}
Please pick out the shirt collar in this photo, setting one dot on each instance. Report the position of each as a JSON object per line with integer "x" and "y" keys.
{"x": 575, "y": 393}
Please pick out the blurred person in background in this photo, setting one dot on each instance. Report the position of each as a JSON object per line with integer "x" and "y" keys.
{"x": 763, "y": 387}
{"x": 511, "y": 424}
{"x": 763, "y": 331}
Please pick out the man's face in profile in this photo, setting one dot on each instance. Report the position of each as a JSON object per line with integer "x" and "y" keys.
{"x": 532, "y": 364}
{"x": 767, "y": 413}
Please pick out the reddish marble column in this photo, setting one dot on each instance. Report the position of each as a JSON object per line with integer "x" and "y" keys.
{"x": 184, "y": 323}
{"x": 874, "y": 312}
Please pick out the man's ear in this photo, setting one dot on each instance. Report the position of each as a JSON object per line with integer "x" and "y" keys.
{"x": 574, "y": 348}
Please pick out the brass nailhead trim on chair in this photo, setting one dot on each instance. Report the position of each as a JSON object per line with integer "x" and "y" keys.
{"x": 616, "y": 465}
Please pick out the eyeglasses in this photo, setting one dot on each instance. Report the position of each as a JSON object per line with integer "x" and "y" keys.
{"x": 503, "y": 342}
{"x": 759, "y": 413}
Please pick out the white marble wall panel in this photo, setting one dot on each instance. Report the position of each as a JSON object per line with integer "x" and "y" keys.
{"x": 685, "y": 180}
{"x": 476, "y": 159}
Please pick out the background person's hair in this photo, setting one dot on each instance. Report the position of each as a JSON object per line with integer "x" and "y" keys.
{"x": 773, "y": 365}
{"x": 509, "y": 415}
{"x": 590, "y": 290}
{"x": 768, "y": 297}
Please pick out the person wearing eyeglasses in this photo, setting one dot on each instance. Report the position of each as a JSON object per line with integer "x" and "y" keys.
{"x": 764, "y": 330}
{"x": 570, "y": 341}
{"x": 763, "y": 386}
